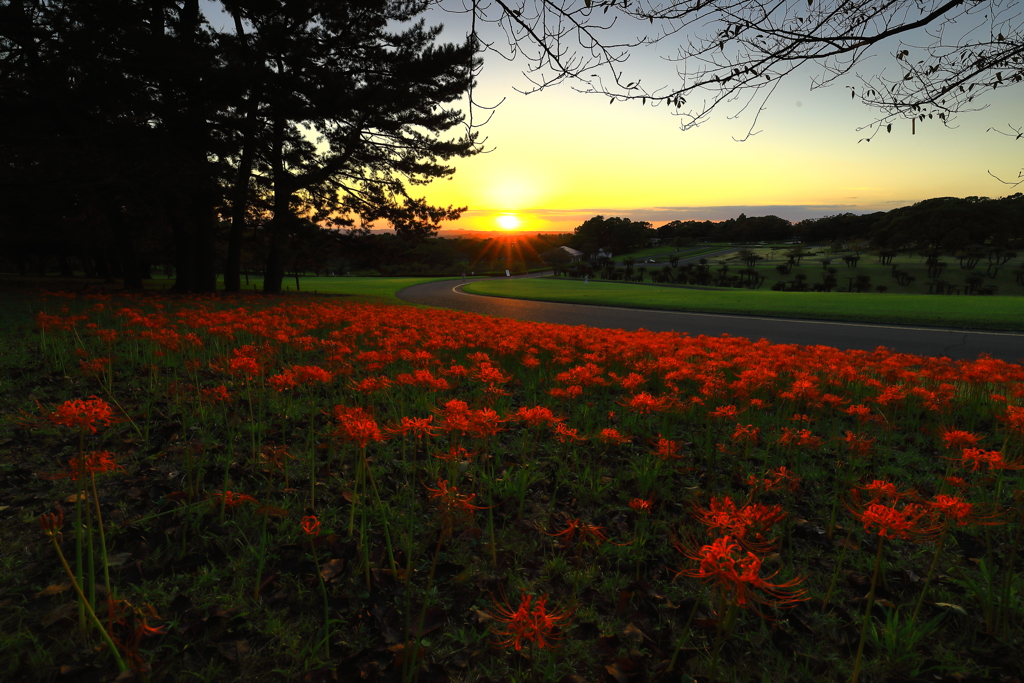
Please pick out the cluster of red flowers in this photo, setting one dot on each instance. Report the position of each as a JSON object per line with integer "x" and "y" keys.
{"x": 455, "y": 374}
{"x": 529, "y": 623}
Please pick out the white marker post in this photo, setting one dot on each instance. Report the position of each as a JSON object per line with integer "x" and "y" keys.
{"x": 508, "y": 274}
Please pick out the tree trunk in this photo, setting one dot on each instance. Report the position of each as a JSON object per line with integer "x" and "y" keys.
{"x": 240, "y": 191}
{"x": 277, "y": 249}
{"x": 123, "y": 242}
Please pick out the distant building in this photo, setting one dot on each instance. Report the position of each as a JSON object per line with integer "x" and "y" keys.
{"x": 574, "y": 254}
{"x": 561, "y": 255}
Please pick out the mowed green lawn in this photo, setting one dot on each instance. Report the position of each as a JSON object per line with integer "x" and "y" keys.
{"x": 966, "y": 312}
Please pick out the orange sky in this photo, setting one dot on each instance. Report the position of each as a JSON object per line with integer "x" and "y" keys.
{"x": 559, "y": 157}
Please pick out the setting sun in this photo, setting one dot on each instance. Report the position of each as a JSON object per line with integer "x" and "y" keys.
{"x": 509, "y": 221}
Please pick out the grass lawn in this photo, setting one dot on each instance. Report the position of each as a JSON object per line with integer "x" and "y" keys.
{"x": 966, "y": 312}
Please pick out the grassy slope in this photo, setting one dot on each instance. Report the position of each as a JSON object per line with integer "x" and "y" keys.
{"x": 990, "y": 312}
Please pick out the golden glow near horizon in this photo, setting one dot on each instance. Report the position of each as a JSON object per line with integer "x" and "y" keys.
{"x": 557, "y": 158}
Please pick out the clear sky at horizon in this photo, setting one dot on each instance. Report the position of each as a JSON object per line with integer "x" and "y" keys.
{"x": 558, "y": 157}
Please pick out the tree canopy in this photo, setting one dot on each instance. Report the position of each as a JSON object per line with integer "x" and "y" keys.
{"x": 614, "y": 235}
{"x": 144, "y": 121}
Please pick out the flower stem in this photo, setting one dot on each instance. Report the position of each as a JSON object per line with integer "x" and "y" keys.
{"x": 82, "y": 601}
{"x": 867, "y": 612}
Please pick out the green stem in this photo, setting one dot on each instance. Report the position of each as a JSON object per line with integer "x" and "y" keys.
{"x": 103, "y": 538}
{"x": 82, "y": 601}
{"x": 79, "y": 559}
{"x": 928, "y": 579}
{"x": 867, "y": 612}
{"x": 327, "y": 611}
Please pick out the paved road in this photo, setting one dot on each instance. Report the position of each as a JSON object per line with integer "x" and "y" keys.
{"x": 916, "y": 340}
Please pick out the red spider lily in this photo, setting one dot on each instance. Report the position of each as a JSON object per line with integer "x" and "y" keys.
{"x": 859, "y": 444}
{"x": 453, "y": 506}
{"x": 530, "y": 623}
{"x": 87, "y": 414}
{"x": 955, "y": 438}
{"x": 454, "y": 454}
{"x": 275, "y": 454}
{"x": 799, "y": 437}
{"x": 108, "y": 336}
{"x": 890, "y": 521}
{"x": 536, "y": 417}
{"x": 134, "y": 621}
{"x": 748, "y": 434}
{"x": 630, "y": 382}
{"x": 94, "y": 367}
{"x": 583, "y": 375}
{"x": 94, "y": 463}
{"x": 782, "y": 478}
{"x": 975, "y": 457}
{"x": 354, "y": 425}
{"x": 244, "y": 366}
{"x": 1014, "y": 419}
{"x": 282, "y": 382}
{"x": 880, "y": 489}
{"x": 569, "y": 393}
{"x": 641, "y": 506}
{"x": 646, "y": 404}
{"x": 423, "y": 379}
{"x": 311, "y": 525}
{"x": 667, "y": 449}
{"x": 861, "y": 412}
{"x": 953, "y": 509}
{"x": 611, "y": 437}
{"x": 230, "y": 499}
{"x": 724, "y": 413}
{"x": 372, "y": 385}
{"x": 736, "y": 573}
{"x": 754, "y": 520}
{"x": 216, "y": 394}
{"x": 456, "y": 416}
{"x": 418, "y": 427}
{"x": 529, "y": 361}
{"x": 583, "y": 533}
{"x": 566, "y": 435}
{"x": 309, "y": 374}
{"x": 484, "y": 423}
{"x": 957, "y": 483}
{"x": 51, "y": 522}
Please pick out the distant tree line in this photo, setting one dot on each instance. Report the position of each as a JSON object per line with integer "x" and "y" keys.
{"x": 947, "y": 224}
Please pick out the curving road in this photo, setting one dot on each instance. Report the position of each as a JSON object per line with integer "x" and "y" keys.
{"x": 956, "y": 344}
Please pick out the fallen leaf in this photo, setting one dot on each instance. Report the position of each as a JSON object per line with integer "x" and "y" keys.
{"x": 66, "y": 611}
{"x": 331, "y": 569}
{"x": 633, "y": 634}
{"x": 234, "y": 650}
{"x": 54, "y": 589}
{"x": 118, "y": 559}
{"x": 956, "y": 608}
